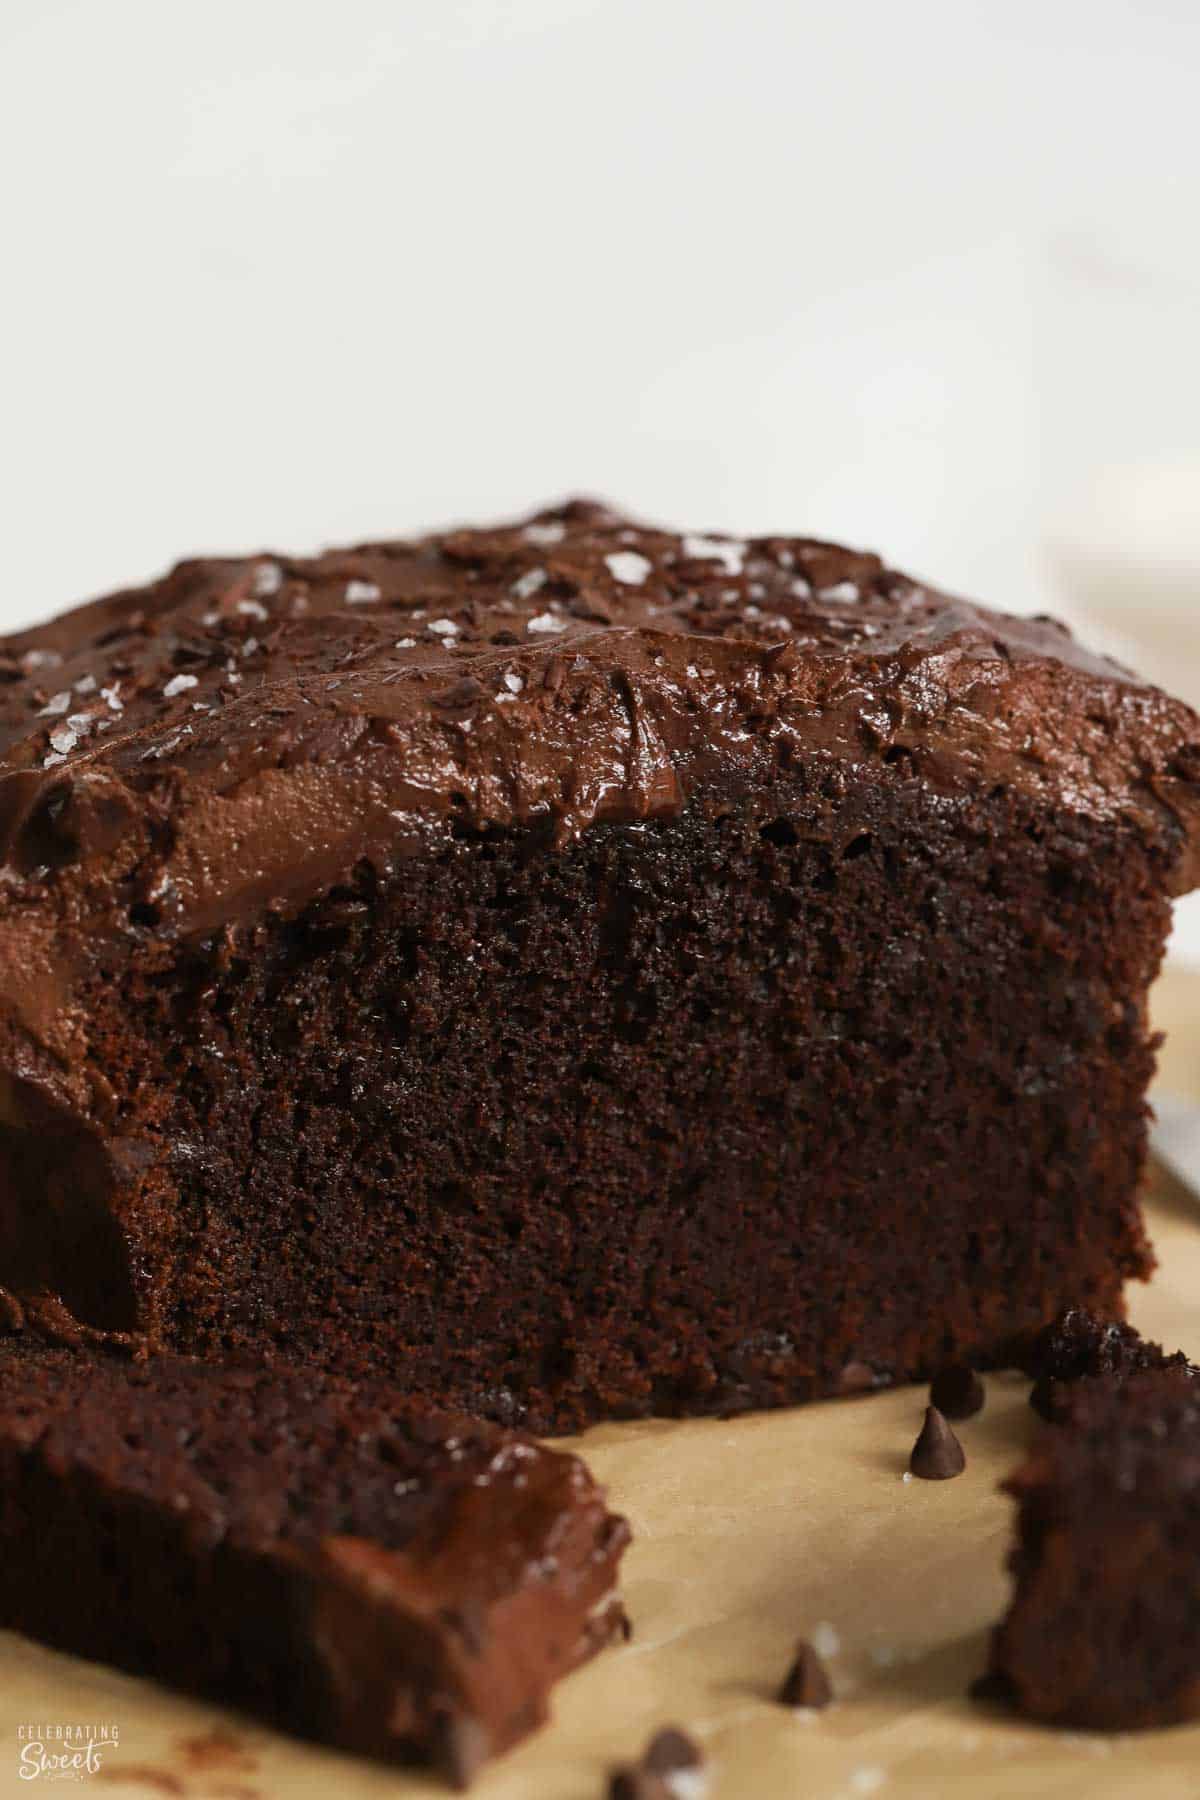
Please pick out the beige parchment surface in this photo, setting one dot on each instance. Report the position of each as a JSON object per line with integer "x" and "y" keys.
{"x": 746, "y": 1535}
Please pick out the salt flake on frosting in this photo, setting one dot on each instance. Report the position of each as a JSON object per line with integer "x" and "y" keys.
{"x": 545, "y": 622}
{"x": 443, "y": 627}
{"x": 841, "y": 591}
{"x": 406, "y": 643}
{"x": 57, "y": 703}
{"x": 629, "y": 566}
{"x": 727, "y": 551}
{"x": 63, "y": 739}
{"x": 179, "y": 684}
{"x": 268, "y": 579}
{"x": 528, "y": 584}
{"x": 513, "y": 683}
{"x": 253, "y": 609}
{"x": 553, "y": 531}
{"x": 361, "y": 593}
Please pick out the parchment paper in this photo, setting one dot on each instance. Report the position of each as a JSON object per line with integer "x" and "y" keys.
{"x": 747, "y": 1534}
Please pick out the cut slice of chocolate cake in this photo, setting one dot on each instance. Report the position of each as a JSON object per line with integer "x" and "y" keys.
{"x": 579, "y": 969}
{"x": 1104, "y": 1629}
{"x": 377, "y": 1577}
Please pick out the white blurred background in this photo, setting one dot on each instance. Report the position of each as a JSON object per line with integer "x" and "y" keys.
{"x": 922, "y": 276}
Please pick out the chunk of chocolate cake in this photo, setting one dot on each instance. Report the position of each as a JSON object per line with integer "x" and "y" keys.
{"x": 1074, "y": 1351}
{"x": 1104, "y": 1628}
{"x": 582, "y": 970}
{"x": 381, "y": 1578}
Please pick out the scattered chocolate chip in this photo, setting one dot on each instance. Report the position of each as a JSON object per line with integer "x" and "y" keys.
{"x": 992, "y": 1688}
{"x": 937, "y": 1454}
{"x": 807, "y": 1682}
{"x": 671, "y": 1752}
{"x": 458, "y": 1748}
{"x": 957, "y": 1391}
{"x": 636, "y": 1783}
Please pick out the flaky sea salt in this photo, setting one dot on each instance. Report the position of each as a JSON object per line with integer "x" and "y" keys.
{"x": 57, "y": 703}
{"x": 552, "y": 531}
{"x": 868, "y": 1779}
{"x": 443, "y": 627}
{"x": 545, "y": 622}
{"x": 63, "y": 739}
{"x": 268, "y": 579}
{"x": 111, "y": 698}
{"x": 529, "y": 584}
{"x": 629, "y": 566}
{"x": 727, "y": 551}
{"x": 361, "y": 593}
{"x": 179, "y": 684}
{"x": 86, "y": 684}
{"x": 513, "y": 683}
{"x": 842, "y": 592}
{"x": 253, "y": 609}
{"x": 406, "y": 643}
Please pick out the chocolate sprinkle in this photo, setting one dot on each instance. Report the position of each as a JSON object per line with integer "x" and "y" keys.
{"x": 937, "y": 1454}
{"x": 957, "y": 1391}
{"x": 807, "y": 1682}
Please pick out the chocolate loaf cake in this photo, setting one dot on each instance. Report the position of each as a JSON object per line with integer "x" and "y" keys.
{"x": 1104, "y": 1628}
{"x": 377, "y": 1577}
{"x": 582, "y": 970}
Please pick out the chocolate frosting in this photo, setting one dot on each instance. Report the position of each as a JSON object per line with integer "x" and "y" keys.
{"x": 239, "y": 735}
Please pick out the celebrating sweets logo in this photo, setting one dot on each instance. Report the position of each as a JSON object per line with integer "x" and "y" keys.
{"x": 63, "y": 1752}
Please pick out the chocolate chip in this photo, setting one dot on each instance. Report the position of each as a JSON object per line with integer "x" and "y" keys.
{"x": 458, "y": 1748}
{"x": 807, "y": 1682}
{"x": 957, "y": 1391}
{"x": 670, "y": 1752}
{"x": 937, "y": 1454}
{"x": 992, "y": 1688}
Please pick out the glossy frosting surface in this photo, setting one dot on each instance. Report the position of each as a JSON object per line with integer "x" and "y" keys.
{"x": 241, "y": 733}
